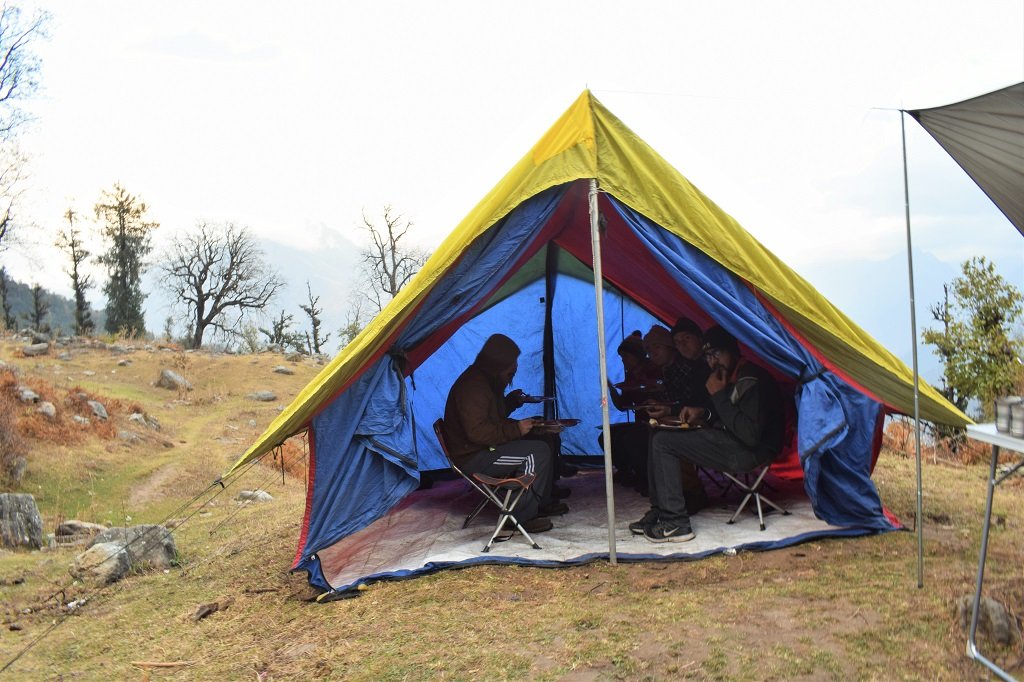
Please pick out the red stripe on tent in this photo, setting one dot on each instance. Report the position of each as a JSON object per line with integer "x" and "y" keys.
{"x": 876, "y": 442}
{"x": 311, "y": 479}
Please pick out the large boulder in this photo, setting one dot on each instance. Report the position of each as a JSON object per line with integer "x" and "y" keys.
{"x": 20, "y": 522}
{"x": 147, "y": 545}
{"x": 103, "y": 563}
{"x": 173, "y": 381}
{"x": 35, "y": 349}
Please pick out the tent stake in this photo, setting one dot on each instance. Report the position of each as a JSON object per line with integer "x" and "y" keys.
{"x": 913, "y": 346}
{"x": 609, "y": 493}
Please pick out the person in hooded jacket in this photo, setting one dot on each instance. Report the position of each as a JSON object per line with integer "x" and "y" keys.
{"x": 482, "y": 438}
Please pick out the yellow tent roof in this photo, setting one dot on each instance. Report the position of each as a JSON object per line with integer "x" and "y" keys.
{"x": 589, "y": 142}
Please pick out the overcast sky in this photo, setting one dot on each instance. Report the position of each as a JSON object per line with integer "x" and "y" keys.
{"x": 293, "y": 118}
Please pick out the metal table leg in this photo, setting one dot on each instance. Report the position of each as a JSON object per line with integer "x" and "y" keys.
{"x": 972, "y": 646}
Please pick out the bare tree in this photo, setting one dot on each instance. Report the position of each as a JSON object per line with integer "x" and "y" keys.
{"x": 19, "y": 80}
{"x": 355, "y": 319}
{"x": 280, "y": 334}
{"x": 388, "y": 264}
{"x": 70, "y": 241}
{"x": 315, "y": 342}
{"x": 219, "y": 274}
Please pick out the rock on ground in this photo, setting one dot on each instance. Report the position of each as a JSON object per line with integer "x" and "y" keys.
{"x": 282, "y": 369}
{"x": 98, "y": 410}
{"x": 994, "y": 621}
{"x": 20, "y": 522}
{"x": 172, "y": 380}
{"x": 27, "y": 395}
{"x": 35, "y": 349}
{"x": 254, "y": 496}
{"x": 263, "y": 396}
{"x": 147, "y": 545}
{"x": 74, "y": 527}
{"x": 48, "y": 409}
{"x": 103, "y": 562}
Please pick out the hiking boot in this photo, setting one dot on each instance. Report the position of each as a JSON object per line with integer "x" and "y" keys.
{"x": 560, "y": 492}
{"x": 695, "y": 500}
{"x": 640, "y": 527}
{"x": 553, "y": 509}
{"x": 665, "y": 531}
{"x": 534, "y": 525}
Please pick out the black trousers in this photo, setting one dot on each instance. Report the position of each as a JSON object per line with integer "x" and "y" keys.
{"x": 711, "y": 448}
{"x": 513, "y": 459}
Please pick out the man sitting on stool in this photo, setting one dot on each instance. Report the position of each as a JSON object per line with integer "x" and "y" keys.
{"x": 743, "y": 431}
{"x": 482, "y": 438}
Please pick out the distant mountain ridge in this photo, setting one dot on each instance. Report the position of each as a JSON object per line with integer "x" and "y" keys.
{"x": 61, "y": 315}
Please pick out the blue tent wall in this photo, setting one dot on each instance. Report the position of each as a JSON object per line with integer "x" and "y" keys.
{"x": 521, "y": 317}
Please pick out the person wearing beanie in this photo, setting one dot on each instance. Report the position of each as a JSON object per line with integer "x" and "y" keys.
{"x": 741, "y": 430}
{"x": 482, "y": 438}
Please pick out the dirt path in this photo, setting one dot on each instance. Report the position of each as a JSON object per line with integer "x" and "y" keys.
{"x": 151, "y": 489}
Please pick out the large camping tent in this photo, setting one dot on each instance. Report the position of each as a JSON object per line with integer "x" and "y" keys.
{"x": 521, "y": 263}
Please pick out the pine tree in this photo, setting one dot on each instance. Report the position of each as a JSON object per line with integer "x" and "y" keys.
{"x": 128, "y": 237}
{"x": 40, "y": 309}
{"x": 71, "y": 242}
{"x": 7, "y": 318}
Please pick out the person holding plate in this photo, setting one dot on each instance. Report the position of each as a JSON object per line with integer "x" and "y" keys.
{"x": 482, "y": 438}
{"x": 629, "y": 439}
{"x": 742, "y": 429}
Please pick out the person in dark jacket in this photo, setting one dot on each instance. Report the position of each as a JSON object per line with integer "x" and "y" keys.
{"x": 743, "y": 429}
{"x": 482, "y": 438}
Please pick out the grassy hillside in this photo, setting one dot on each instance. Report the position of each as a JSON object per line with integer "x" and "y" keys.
{"x": 836, "y": 609}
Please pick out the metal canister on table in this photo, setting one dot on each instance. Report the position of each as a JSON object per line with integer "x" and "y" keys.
{"x": 1017, "y": 420}
{"x": 1004, "y": 407}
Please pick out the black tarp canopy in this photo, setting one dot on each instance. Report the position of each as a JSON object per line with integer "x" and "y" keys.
{"x": 985, "y": 135}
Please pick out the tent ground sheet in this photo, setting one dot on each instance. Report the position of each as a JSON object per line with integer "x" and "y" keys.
{"x": 424, "y": 532}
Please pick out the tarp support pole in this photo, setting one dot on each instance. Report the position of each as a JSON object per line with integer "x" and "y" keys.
{"x": 609, "y": 493}
{"x": 913, "y": 346}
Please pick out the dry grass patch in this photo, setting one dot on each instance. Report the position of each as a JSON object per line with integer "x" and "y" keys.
{"x": 832, "y": 609}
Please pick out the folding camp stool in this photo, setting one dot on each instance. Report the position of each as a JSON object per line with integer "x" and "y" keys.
{"x": 503, "y": 493}
{"x": 742, "y": 481}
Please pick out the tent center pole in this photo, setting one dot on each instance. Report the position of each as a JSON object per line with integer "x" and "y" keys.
{"x": 595, "y": 242}
{"x": 913, "y": 346}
